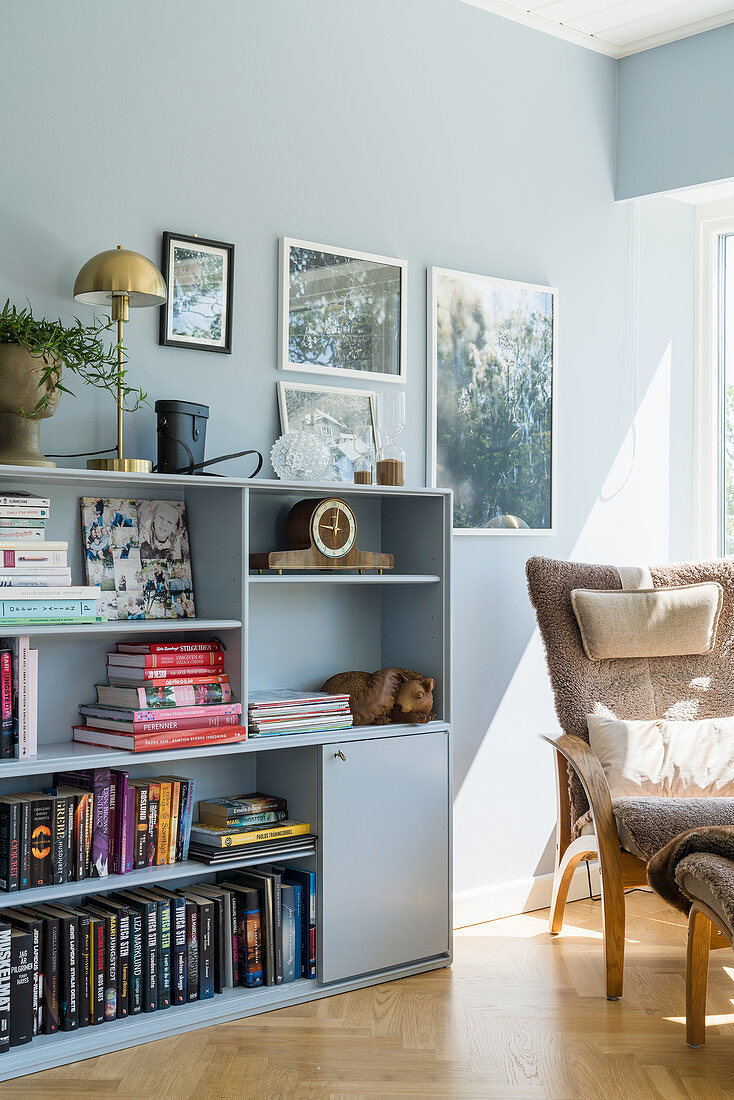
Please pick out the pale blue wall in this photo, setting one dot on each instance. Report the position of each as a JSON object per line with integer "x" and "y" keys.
{"x": 425, "y": 129}
{"x": 676, "y": 123}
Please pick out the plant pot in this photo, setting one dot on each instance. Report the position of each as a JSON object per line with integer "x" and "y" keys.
{"x": 21, "y": 386}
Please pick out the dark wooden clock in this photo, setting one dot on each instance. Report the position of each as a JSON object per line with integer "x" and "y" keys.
{"x": 321, "y": 534}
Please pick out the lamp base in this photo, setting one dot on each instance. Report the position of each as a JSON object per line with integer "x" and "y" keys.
{"x": 125, "y": 465}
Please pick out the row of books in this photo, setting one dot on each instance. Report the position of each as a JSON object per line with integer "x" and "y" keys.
{"x": 92, "y": 823}
{"x": 35, "y": 577}
{"x": 64, "y": 967}
{"x": 283, "y": 711}
{"x": 18, "y": 698}
{"x": 252, "y": 823}
{"x": 163, "y": 695}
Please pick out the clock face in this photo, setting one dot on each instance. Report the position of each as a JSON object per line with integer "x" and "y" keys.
{"x": 333, "y": 528}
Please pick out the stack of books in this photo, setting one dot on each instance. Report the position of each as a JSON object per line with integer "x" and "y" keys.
{"x": 163, "y": 695}
{"x": 34, "y": 574}
{"x": 107, "y": 957}
{"x": 18, "y": 698}
{"x": 91, "y": 824}
{"x": 252, "y": 824}
{"x": 283, "y": 711}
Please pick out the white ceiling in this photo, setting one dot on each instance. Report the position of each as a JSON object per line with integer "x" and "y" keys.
{"x": 615, "y": 27}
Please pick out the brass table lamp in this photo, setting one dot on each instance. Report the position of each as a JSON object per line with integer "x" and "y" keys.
{"x": 120, "y": 279}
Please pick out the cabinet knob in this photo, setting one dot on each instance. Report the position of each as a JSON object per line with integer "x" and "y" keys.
{"x": 340, "y": 756}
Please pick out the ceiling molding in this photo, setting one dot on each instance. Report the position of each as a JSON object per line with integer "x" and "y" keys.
{"x": 596, "y": 42}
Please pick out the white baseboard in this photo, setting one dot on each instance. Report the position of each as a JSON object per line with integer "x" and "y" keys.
{"x": 521, "y": 896}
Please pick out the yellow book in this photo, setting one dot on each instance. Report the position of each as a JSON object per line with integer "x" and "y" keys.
{"x": 211, "y": 837}
{"x": 164, "y": 823}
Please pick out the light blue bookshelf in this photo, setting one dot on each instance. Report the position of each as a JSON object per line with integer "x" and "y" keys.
{"x": 378, "y": 798}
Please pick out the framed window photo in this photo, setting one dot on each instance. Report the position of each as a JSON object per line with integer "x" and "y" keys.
{"x": 341, "y": 312}
{"x": 491, "y": 405}
{"x": 342, "y": 417}
{"x": 199, "y": 275}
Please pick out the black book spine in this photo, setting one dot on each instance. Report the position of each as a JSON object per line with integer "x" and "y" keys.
{"x": 51, "y": 975}
{"x": 123, "y": 964}
{"x": 206, "y": 950}
{"x": 79, "y": 828}
{"x": 181, "y": 819}
{"x": 219, "y": 944}
{"x": 141, "y": 825}
{"x": 96, "y": 1009}
{"x": 24, "y": 845}
{"x": 164, "y": 954}
{"x": 68, "y": 1003}
{"x": 41, "y": 836}
{"x": 21, "y": 988}
{"x": 235, "y": 937}
{"x": 192, "y": 951}
{"x": 178, "y": 968}
{"x": 136, "y": 963}
{"x": 84, "y": 964}
{"x": 111, "y": 958}
{"x": 5, "y": 936}
{"x": 59, "y": 859}
{"x": 70, "y": 842}
{"x": 278, "y": 929}
{"x": 9, "y": 846}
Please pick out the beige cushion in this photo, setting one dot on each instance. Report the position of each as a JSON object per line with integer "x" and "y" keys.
{"x": 652, "y": 622}
{"x": 665, "y": 758}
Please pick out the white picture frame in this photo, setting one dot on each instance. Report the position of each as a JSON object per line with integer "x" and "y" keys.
{"x": 488, "y": 283}
{"x": 288, "y": 360}
{"x": 333, "y": 431}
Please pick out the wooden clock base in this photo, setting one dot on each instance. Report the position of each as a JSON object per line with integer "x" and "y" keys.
{"x": 311, "y": 558}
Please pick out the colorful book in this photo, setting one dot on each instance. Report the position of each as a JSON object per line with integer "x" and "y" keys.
{"x": 156, "y": 648}
{"x": 166, "y": 723}
{"x": 28, "y": 578}
{"x": 119, "y": 675}
{"x": 211, "y": 837}
{"x": 39, "y": 554}
{"x": 138, "y": 717}
{"x": 164, "y": 695}
{"x": 209, "y": 659}
{"x": 22, "y": 500}
{"x": 86, "y": 735}
{"x": 222, "y": 809}
{"x": 39, "y": 608}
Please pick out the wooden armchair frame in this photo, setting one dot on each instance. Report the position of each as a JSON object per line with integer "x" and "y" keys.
{"x": 705, "y": 930}
{"x": 620, "y": 870}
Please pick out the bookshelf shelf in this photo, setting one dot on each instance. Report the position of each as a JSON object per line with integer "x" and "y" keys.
{"x": 120, "y": 629}
{"x": 343, "y": 578}
{"x": 280, "y": 631}
{"x": 148, "y": 876}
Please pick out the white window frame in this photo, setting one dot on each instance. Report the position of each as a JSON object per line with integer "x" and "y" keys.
{"x": 713, "y": 222}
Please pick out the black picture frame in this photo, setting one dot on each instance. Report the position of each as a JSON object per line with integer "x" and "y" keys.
{"x": 207, "y": 247}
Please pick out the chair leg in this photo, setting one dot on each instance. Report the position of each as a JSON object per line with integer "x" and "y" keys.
{"x": 561, "y": 885}
{"x": 697, "y": 972}
{"x": 613, "y": 919}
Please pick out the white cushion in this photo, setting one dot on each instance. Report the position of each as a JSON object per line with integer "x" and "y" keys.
{"x": 665, "y": 758}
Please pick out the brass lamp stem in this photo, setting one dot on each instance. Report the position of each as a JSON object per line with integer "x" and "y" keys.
{"x": 120, "y": 313}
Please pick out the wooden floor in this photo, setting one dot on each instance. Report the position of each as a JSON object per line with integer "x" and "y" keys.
{"x": 520, "y": 1014}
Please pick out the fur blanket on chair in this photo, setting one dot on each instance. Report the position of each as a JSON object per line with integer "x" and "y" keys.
{"x": 707, "y": 854}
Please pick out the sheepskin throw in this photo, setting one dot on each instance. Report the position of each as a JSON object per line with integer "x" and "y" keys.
{"x": 683, "y": 687}
{"x": 697, "y": 864}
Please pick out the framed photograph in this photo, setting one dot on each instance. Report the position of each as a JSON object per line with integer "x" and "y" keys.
{"x": 137, "y": 551}
{"x": 341, "y": 416}
{"x": 199, "y": 276}
{"x": 341, "y": 312}
{"x": 491, "y": 405}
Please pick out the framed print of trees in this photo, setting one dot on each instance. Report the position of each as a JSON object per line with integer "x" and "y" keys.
{"x": 491, "y": 406}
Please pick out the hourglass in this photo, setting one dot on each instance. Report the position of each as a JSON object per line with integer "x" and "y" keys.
{"x": 390, "y": 423}
{"x": 363, "y": 445}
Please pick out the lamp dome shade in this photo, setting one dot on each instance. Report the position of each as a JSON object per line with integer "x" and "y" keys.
{"x": 119, "y": 271}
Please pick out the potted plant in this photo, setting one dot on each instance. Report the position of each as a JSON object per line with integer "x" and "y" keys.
{"x": 33, "y": 355}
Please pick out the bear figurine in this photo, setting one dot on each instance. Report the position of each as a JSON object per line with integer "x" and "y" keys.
{"x": 388, "y": 695}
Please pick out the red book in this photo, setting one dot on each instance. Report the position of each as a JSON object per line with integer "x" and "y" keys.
{"x": 196, "y": 674}
{"x": 152, "y": 742}
{"x": 168, "y": 660}
{"x": 164, "y": 725}
{"x": 168, "y": 647}
{"x": 6, "y": 688}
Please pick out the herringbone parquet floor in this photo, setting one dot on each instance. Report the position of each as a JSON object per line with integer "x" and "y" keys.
{"x": 520, "y": 1015}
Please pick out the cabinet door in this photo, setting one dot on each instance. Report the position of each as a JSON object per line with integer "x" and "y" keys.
{"x": 384, "y": 853}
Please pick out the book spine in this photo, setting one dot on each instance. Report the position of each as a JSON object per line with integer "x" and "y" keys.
{"x": 97, "y": 1009}
{"x": 14, "y": 557}
{"x": 173, "y": 725}
{"x": 234, "y": 928}
{"x": 269, "y": 817}
{"x": 51, "y": 975}
{"x": 172, "y": 677}
{"x": 39, "y": 608}
{"x": 141, "y": 825}
{"x": 123, "y": 965}
{"x": 155, "y": 714}
{"x": 164, "y": 824}
{"x": 288, "y": 926}
{"x": 17, "y": 500}
{"x": 88, "y": 832}
{"x": 216, "y": 839}
{"x": 5, "y": 937}
{"x": 101, "y": 831}
{"x": 23, "y": 511}
{"x": 181, "y": 647}
{"x": 167, "y": 659}
{"x": 36, "y": 929}
{"x": 25, "y": 533}
{"x": 21, "y": 735}
{"x": 173, "y": 827}
{"x": 130, "y": 835}
{"x": 112, "y": 824}
{"x": 225, "y": 736}
{"x": 6, "y": 704}
{"x": 278, "y": 929}
{"x": 41, "y": 833}
{"x": 59, "y": 857}
{"x": 24, "y": 845}
{"x": 185, "y": 695}
{"x": 241, "y": 807}
{"x": 192, "y": 951}
{"x": 18, "y": 579}
{"x": 120, "y": 781}
{"x": 178, "y": 968}
{"x": 150, "y": 981}
{"x": 182, "y": 808}
{"x": 154, "y": 806}
{"x": 80, "y": 802}
{"x": 136, "y": 962}
{"x": 164, "y": 955}
{"x": 33, "y": 702}
{"x": 252, "y": 943}
{"x": 68, "y": 1008}
{"x": 111, "y": 953}
{"x": 190, "y": 798}
{"x": 71, "y": 801}
{"x": 21, "y": 989}
{"x": 206, "y": 951}
{"x": 84, "y": 962}
{"x": 9, "y": 846}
